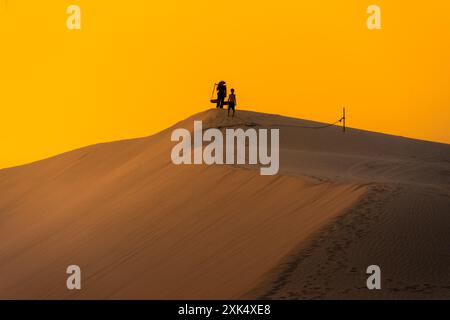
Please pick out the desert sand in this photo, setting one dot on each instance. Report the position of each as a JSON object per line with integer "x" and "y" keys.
{"x": 142, "y": 228}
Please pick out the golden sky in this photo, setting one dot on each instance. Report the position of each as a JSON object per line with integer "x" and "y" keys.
{"x": 138, "y": 66}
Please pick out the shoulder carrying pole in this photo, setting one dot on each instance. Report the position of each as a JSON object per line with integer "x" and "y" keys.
{"x": 214, "y": 89}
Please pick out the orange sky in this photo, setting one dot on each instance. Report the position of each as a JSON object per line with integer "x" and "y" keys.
{"x": 139, "y": 66}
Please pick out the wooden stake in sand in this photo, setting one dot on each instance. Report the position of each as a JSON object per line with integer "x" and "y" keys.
{"x": 343, "y": 119}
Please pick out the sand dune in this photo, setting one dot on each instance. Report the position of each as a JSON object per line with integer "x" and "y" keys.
{"x": 141, "y": 227}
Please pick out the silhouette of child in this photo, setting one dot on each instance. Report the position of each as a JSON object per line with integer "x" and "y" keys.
{"x": 231, "y": 102}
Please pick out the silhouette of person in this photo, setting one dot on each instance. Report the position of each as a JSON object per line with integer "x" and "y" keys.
{"x": 232, "y": 102}
{"x": 221, "y": 94}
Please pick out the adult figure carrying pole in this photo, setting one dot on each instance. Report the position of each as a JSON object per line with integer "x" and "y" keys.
{"x": 221, "y": 94}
